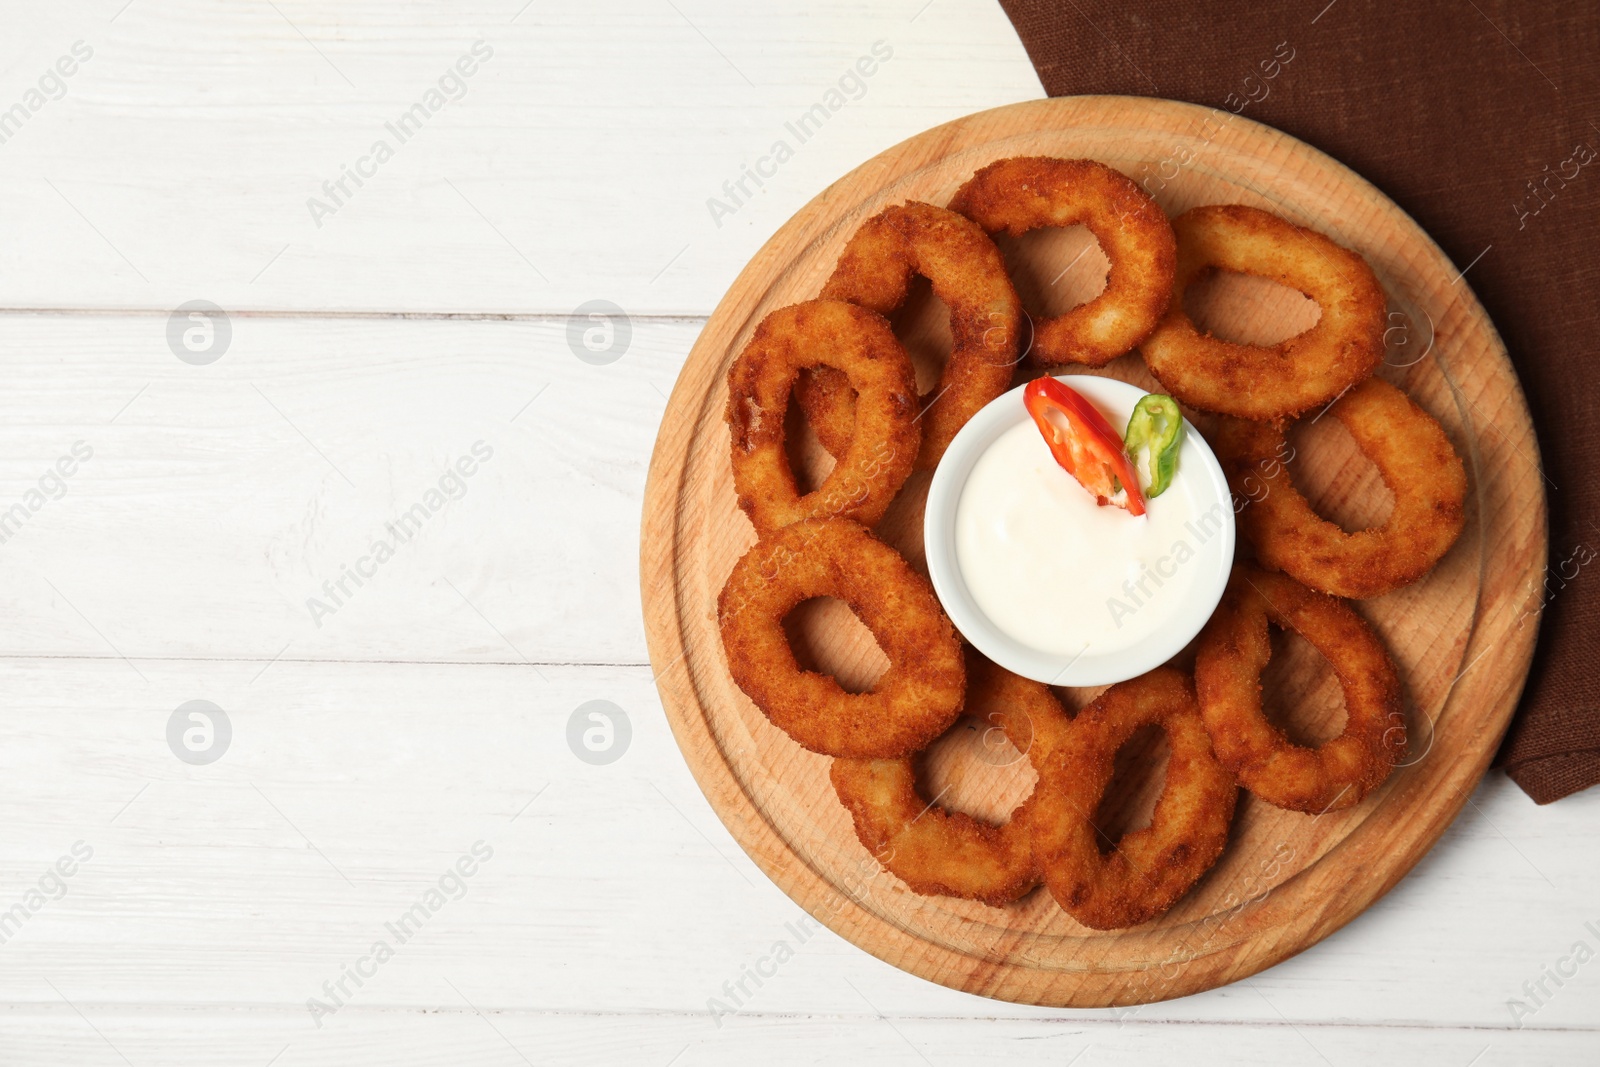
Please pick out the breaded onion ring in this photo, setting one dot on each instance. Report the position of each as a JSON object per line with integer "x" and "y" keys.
{"x": 915, "y": 700}
{"x": 1150, "y": 868}
{"x": 1268, "y": 381}
{"x": 822, "y": 333}
{"x": 829, "y": 405}
{"x": 1232, "y": 651}
{"x": 942, "y": 853}
{"x": 1411, "y": 452}
{"x": 1030, "y": 192}
{"x": 967, "y": 273}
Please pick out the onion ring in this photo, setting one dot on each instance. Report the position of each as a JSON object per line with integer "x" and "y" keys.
{"x": 1230, "y": 655}
{"x": 915, "y": 700}
{"x": 968, "y": 274}
{"x": 829, "y": 404}
{"x": 943, "y": 853}
{"x": 1268, "y": 381}
{"x": 1150, "y": 868}
{"x": 1411, "y": 452}
{"x": 865, "y": 480}
{"x": 1030, "y": 192}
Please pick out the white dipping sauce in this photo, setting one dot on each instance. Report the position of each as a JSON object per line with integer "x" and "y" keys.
{"x": 1057, "y": 572}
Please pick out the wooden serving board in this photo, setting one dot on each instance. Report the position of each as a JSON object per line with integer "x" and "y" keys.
{"x": 1462, "y": 637}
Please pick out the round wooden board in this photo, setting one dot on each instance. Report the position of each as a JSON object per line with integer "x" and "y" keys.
{"x": 1462, "y": 637}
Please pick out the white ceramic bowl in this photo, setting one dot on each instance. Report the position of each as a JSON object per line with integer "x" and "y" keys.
{"x": 1214, "y": 557}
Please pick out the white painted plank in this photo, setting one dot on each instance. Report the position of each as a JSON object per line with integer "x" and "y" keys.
{"x": 576, "y": 163}
{"x": 219, "y": 499}
{"x": 349, "y": 789}
{"x": 449, "y": 1033}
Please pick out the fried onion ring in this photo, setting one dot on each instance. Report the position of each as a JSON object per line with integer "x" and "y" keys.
{"x": 915, "y": 700}
{"x": 1232, "y": 651}
{"x": 943, "y": 853}
{"x": 968, "y": 274}
{"x": 857, "y": 342}
{"x": 1030, "y": 192}
{"x": 1150, "y": 868}
{"x": 829, "y": 405}
{"x": 1268, "y": 381}
{"x": 1411, "y": 452}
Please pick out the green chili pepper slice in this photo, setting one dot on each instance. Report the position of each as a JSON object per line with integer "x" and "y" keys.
{"x": 1156, "y": 426}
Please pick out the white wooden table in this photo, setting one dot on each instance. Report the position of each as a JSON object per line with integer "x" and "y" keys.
{"x": 371, "y": 343}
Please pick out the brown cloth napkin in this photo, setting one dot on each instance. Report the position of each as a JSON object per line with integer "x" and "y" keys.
{"x": 1451, "y": 108}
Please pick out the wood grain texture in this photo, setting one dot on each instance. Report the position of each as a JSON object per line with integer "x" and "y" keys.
{"x": 1462, "y": 637}
{"x": 227, "y": 495}
{"x": 576, "y": 162}
{"x": 447, "y": 1032}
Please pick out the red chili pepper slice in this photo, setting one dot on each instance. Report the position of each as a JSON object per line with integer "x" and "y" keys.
{"x": 1086, "y": 447}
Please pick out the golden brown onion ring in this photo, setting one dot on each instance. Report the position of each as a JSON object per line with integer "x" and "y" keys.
{"x": 1411, "y": 452}
{"x": 943, "y": 853}
{"x": 829, "y": 405}
{"x": 1232, "y": 651}
{"x": 857, "y": 342}
{"x": 1268, "y": 381}
{"x": 968, "y": 275}
{"x": 1149, "y": 869}
{"x": 1030, "y": 192}
{"x": 915, "y": 700}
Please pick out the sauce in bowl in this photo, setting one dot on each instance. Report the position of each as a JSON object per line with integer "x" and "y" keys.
{"x": 1055, "y": 587}
{"x": 1054, "y": 570}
